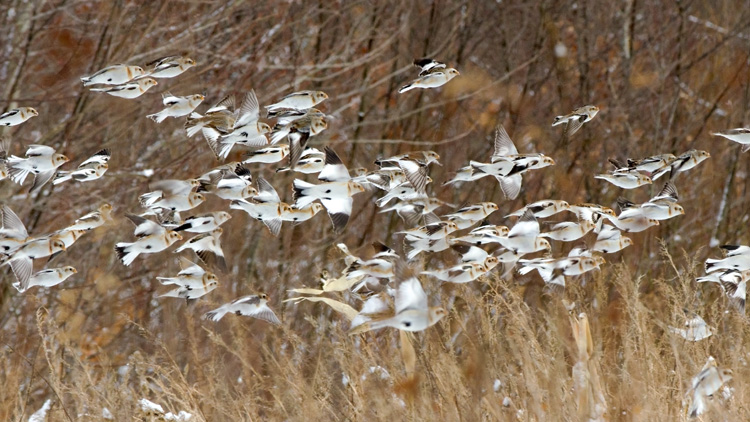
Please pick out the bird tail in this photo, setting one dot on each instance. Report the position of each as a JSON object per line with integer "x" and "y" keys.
{"x": 148, "y": 199}
{"x": 710, "y": 263}
{"x": 278, "y": 135}
{"x": 62, "y": 176}
{"x": 158, "y": 117}
{"x": 123, "y": 254}
{"x": 214, "y": 315}
{"x": 192, "y": 126}
{"x": 301, "y": 194}
{"x": 167, "y": 280}
{"x": 406, "y": 88}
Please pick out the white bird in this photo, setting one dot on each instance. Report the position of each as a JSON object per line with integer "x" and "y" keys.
{"x": 113, "y": 75}
{"x": 17, "y": 116}
{"x": 335, "y": 193}
{"x": 191, "y": 276}
{"x": 41, "y": 160}
{"x": 255, "y": 306}
{"x": 739, "y": 135}
{"x": 152, "y": 238}
{"x": 90, "y": 169}
{"x": 301, "y": 100}
{"x": 704, "y": 385}
{"x": 176, "y": 106}
{"x": 169, "y": 67}
{"x": 412, "y": 310}
{"x": 129, "y": 90}
{"x": 47, "y": 278}
{"x": 208, "y": 248}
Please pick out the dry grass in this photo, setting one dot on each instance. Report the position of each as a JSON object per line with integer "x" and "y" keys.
{"x": 663, "y": 78}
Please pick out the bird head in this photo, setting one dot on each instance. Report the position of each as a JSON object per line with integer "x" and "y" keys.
{"x": 436, "y": 314}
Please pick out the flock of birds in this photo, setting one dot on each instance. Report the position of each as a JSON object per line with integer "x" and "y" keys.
{"x": 389, "y": 287}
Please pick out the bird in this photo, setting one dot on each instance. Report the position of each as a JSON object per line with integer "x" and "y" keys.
{"x": 93, "y": 219}
{"x": 208, "y": 248}
{"x": 267, "y": 155}
{"x": 568, "y": 231}
{"x": 47, "y": 278}
{"x": 695, "y": 329}
{"x": 298, "y": 215}
{"x": 524, "y": 236}
{"x": 204, "y": 223}
{"x": 298, "y": 133}
{"x": 542, "y": 209}
{"x": 113, "y": 75}
{"x": 466, "y": 272}
{"x": 23, "y": 249}
{"x": 169, "y": 66}
{"x": 610, "y": 240}
{"x": 739, "y": 135}
{"x": 255, "y": 306}
{"x": 173, "y": 195}
{"x": 266, "y": 206}
{"x": 129, "y": 90}
{"x": 412, "y": 312}
{"x": 575, "y": 120}
{"x": 687, "y": 161}
{"x": 625, "y": 180}
{"x": 335, "y": 193}
{"x": 40, "y": 160}
{"x": 705, "y": 384}
{"x": 152, "y": 238}
{"x": 246, "y": 129}
{"x": 90, "y": 169}
{"x": 737, "y": 257}
{"x": 17, "y": 116}
{"x": 436, "y": 77}
{"x": 220, "y": 117}
{"x": 176, "y": 106}
{"x": 301, "y": 100}
{"x": 229, "y": 181}
{"x": 311, "y": 161}
{"x": 663, "y": 206}
{"x": 191, "y": 277}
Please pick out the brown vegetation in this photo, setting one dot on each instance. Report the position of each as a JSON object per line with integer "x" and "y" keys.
{"x": 665, "y": 75}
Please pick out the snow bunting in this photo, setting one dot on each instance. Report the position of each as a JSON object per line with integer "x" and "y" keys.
{"x": 113, "y": 75}
{"x": 576, "y": 119}
{"x": 191, "y": 277}
{"x": 625, "y": 180}
{"x": 47, "y": 278}
{"x": 255, "y": 306}
{"x": 301, "y": 100}
{"x": 412, "y": 310}
{"x": 169, "y": 67}
{"x": 93, "y": 219}
{"x": 687, "y": 161}
{"x": 41, "y": 160}
{"x": 268, "y": 155}
{"x": 610, "y": 240}
{"x": 208, "y": 248}
{"x": 220, "y": 117}
{"x": 129, "y": 90}
{"x": 542, "y": 209}
{"x": 435, "y": 78}
{"x": 266, "y": 206}
{"x": 568, "y": 231}
{"x": 464, "y": 273}
{"x": 335, "y": 193}
{"x": 298, "y": 215}
{"x": 204, "y": 223}
{"x": 176, "y": 106}
{"x": 152, "y": 238}
{"x": 695, "y": 329}
{"x": 90, "y": 169}
{"x": 231, "y": 181}
{"x": 739, "y": 135}
{"x": 17, "y": 116}
{"x": 704, "y": 385}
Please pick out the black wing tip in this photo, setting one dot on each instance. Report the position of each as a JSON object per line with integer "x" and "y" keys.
{"x": 339, "y": 220}
{"x": 332, "y": 158}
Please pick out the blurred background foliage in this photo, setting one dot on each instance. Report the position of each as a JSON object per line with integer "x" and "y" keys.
{"x": 664, "y": 74}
